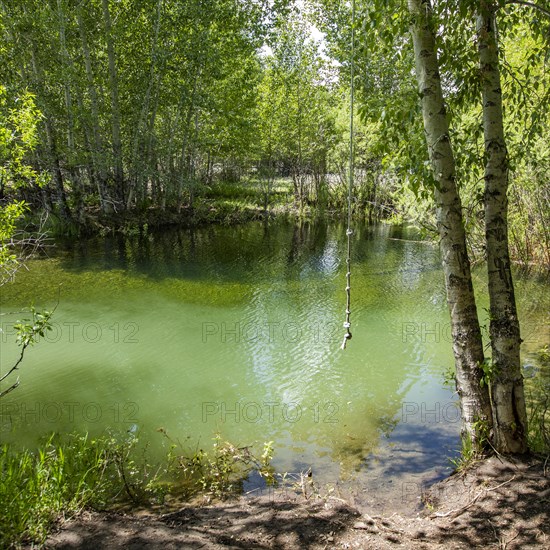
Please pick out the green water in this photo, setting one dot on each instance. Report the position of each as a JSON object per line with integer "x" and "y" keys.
{"x": 238, "y": 330}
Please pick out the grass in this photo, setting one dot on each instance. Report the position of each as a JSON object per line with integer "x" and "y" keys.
{"x": 59, "y": 479}
{"x": 468, "y": 455}
{"x": 251, "y": 190}
{"x": 218, "y": 473}
{"x": 538, "y": 404}
{"x": 67, "y": 474}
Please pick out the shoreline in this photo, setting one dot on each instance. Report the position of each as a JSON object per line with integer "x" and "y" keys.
{"x": 497, "y": 502}
{"x": 215, "y": 213}
{"x": 92, "y": 222}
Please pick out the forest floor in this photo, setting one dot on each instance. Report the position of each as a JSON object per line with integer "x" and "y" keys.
{"x": 207, "y": 211}
{"x": 496, "y": 503}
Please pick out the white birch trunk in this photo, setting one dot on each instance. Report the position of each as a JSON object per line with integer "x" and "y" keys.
{"x": 467, "y": 343}
{"x": 508, "y": 399}
{"x": 67, "y": 81}
{"x": 137, "y": 169}
{"x": 97, "y": 151}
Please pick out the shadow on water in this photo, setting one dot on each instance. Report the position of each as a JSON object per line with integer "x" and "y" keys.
{"x": 247, "y": 320}
{"x": 228, "y": 253}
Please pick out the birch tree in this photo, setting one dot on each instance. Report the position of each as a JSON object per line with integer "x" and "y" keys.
{"x": 466, "y": 334}
{"x": 490, "y": 388}
{"x": 510, "y": 417}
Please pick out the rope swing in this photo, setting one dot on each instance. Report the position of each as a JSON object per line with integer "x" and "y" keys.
{"x": 349, "y": 231}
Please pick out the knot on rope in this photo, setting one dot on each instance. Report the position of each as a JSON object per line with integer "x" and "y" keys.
{"x": 347, "y": 337}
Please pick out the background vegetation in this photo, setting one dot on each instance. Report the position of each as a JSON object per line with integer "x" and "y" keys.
{"x": 157, "y": 105}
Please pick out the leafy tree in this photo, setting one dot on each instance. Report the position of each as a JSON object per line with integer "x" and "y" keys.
{"x": 460, "y": 72}
{"x": 17, "y": 136}
{"x": 141, "y": 99}
{"x": 467, "y": 344}
{"x": 510, "y": 417}
{"x": 296, "y": 112}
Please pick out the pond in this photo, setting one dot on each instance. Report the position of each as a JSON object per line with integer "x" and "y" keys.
{"x": 237, "y": 330}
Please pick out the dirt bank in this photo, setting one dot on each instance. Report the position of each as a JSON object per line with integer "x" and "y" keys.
{"x": 495, "y": 504}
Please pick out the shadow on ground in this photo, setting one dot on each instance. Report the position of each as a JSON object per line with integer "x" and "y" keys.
{"x": 243, "y": 524}
{"x": 498, "y": 503}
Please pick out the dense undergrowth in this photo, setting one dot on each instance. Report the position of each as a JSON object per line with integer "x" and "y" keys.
{"x": 229, "y": 203}
{"x": 67, "y": 474}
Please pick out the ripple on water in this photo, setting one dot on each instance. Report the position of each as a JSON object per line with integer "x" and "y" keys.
{"x": 238, "y": 330}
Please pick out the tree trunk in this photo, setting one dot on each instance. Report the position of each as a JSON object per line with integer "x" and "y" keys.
{"x": 136, "y": 167}
{"x": 115, "y": 109}
{"x": 67, "y": 81}
{"x": 186, "y": 131}
{"x": 466, "y": 334}
{"x": 97, "y": 151}
{"x": 64, "y": 211}
{"x": 506, "y": 384}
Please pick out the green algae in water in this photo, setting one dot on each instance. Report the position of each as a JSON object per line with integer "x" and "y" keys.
{"x": 238, "y": 330}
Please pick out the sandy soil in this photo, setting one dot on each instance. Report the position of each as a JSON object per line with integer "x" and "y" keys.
{"x": 495, "y": 504}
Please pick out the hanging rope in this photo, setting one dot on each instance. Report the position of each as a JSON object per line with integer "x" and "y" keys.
{"x": 349, "y": 231}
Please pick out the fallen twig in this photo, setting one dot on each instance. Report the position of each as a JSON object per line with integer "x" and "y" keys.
{"x": 458, "y": 511}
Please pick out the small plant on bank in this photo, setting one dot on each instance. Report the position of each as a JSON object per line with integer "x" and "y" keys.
{"x": 28, "y": 333}
{"x": 489, "y": 372}
{"x": 539, "y": 426}
{"x": 57, "y": 480}
{"x": 469, "y": 453}
{"x": 449, "y": 378}
{"x": 466, "y": 457}
{"x": 219, "y": 473}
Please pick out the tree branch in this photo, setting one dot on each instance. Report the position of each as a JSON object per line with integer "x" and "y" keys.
{"x": 12, "y": 387}
{"x": 37, "y": 328}
{"x": 21, "y": 355}
{"x": 530, "y": 5}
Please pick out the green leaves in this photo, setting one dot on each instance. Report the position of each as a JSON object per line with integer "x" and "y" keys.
{"x": 295, "y": 115}
{"x": 9, "y": 262}
{"x": 489, "y": 372}
{"x": 18, "y": 136}
{"x": 28, "y": 331}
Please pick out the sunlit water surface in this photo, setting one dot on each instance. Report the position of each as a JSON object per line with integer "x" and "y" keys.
{"x": 238, "y": 331}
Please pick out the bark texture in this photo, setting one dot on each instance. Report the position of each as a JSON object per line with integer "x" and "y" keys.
{"x": 466, "y": 333}
{"x": 98, "y": 157}
{"x": 508, "y": 399}
{"x": 115, "y": 109}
